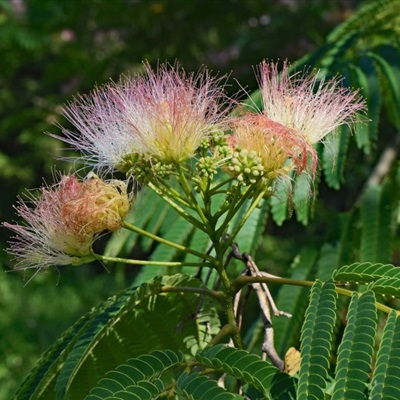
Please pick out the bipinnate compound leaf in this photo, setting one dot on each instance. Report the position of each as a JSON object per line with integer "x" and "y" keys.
{"x": 367, "y": 132}
{"x": 387, "y": 60}
{"x": 316, "y": 341}
{"x": 376, "y": 216}
{"x": 41, "y": 382}
{"x": 382, "y": 279}
{"x": 386, "y": 378}
{"x": 141, "y": 376}
{"x": 195, "y": 386}
{"x": 250, "y": 369}
{"x": 356, "y": 349}
{"x": 293, "y": 300}
{"x": 365, "y": 272}
{"x": 138, "y": 321}
{"x": 334, "y": 158}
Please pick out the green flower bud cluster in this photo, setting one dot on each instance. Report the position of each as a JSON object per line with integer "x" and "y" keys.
{"x": 142, "y": 168}
{"x": 207, "y": 166}
{"x": 222, "y": 151}
{"x": 134, "y": 164}
{"x": 219, "y": 138}
{"x": 204, "y": 145}
{"x": 163, "y": 169}
{"x": 247, "y": 166}
{"x": 129, "y": 163}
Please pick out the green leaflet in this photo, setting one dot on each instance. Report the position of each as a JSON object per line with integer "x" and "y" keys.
{"x": 280, "y": 202}
{"x": 136, "y": 322}
{"x": 386, "y": 378}
{"x": 302, "y": 198}
{"x": 387, "y": 59}
{"x": 316, "y": 338}
{"x": 365, "y": 272}
{"x": 356, "y": 349}
{"x": 138, "y": 377}
{"x": 293, "y": 299}
{"x": 334, "y": 157}
{"x": 376, "y": 214}
{"x": 199, "y": 387}
{"x": 41, "y": 382}
{"x": 249, "y": 368}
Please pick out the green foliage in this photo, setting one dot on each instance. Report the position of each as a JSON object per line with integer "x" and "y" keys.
{"x": 366, "y": 52}
{"x": 376, "y": 219}
{"x": 156, "y": 372}
{"x": 356, "y": 349}
{"x": 139, "y": 377}
{"x": 250, "y": 369}
{"x": 133, "y": 322}
{"x": 386, "y": 379}
{"x": 316, "y": 341}
{"x": 293, "y": 299}
{"x": 334, "y": 157}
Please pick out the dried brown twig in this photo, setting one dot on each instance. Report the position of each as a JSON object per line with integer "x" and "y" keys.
{"x": 265, "y": 300}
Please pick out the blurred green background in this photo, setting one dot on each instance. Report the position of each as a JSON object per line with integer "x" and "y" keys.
{"x": 52, "y": 49}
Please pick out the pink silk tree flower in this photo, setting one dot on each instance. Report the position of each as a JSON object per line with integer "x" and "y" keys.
{"x": 161, "y": 115}
{"x": 277, "y": 148}
{"x": 301, "y": 103}
{"x": 65, "y": 220}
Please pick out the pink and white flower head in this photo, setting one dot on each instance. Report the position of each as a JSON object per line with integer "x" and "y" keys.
{"x": 302, "y": 103}
{"x": 277, "y": 148}
{"x": 163, "y": 115}
{"x": 64, "y": 222}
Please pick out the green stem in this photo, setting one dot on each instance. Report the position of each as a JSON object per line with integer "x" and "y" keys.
{"x": 170, "y": 192}
{"x": 218, "y": 295}
{"x": 225, "y": 331}
{"x": 177, "y": 246}
{"x": 242, "y": 281}
{"x": 198, "y": 224}
{"x": 215, "y": 189}
{"x": 229, "y": 299}
{"x": 230, "y": 314}
{"x": 379, "y": 306}
{"x": 147, "y": 262}
{"x": 232, "y": 207}
{"x": 249, "y": 211}
{"x": 189, "y": 192}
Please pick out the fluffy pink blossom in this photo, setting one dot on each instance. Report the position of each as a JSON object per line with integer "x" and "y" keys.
{"x": 62, "y": 224}
{"x": 302, "y": 103}
{"x": 163, "y": 115}
{"x": 279, "y": 148}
